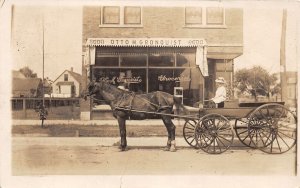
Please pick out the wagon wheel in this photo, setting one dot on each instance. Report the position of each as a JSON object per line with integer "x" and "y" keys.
{"x": 214, "y": 134}
{"x": 273, "y": 128}
{"x": 189, "y": 132}
{"x": 241, "y": 131}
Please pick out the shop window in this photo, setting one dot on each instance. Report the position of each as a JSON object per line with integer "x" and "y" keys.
{"x": 162, "y": 60}
{"x": 162, "y": 80}
{"x": 145, "y": 70}
{"x": 133, "y": 79}
{"x": 186, "y": 60}
{"x": 121, "y": 16}
{"x": 107, "y": 61}
{"x": 186, "y": 78}
{"x": 137, "y": 60}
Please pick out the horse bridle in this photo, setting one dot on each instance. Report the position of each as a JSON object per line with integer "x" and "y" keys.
{"x": 132, "y": 93}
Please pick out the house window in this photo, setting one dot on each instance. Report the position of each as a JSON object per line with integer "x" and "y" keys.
{"x": 205, "y": 17}
{"x": 193, "y": 15}
{"x": 65, "y": 77}
{"x": 111, "y": 15}
{"x": 115, "y": 16}
{"x": 132, "y": 15}
{"x": 214, "y": 15}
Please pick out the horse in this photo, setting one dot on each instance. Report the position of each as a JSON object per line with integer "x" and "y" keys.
{"x": 125, "y": 104}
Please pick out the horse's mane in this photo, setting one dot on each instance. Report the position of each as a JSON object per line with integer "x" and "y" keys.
{"x": 113, "y": 89}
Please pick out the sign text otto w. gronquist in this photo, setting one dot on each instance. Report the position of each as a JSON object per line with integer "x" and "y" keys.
{"x": 149, "y": 42}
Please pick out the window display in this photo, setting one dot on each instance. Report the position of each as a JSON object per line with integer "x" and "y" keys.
{"x": 146, "y": 70}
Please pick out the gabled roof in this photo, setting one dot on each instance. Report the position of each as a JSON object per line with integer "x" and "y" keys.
{"x": 25, "y": 84}
{"x": 17, "y": 74}
{"x": 75, "y": 75}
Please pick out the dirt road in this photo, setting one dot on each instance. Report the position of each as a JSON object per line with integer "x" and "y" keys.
{"x": 78, "y": 156}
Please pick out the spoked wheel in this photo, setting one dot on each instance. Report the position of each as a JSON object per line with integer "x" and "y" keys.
{"x": 214, "y": 134}
{"x": 241, "y": 130}
{"x": 273, "y": 128}
{"x": 189, "y": 132}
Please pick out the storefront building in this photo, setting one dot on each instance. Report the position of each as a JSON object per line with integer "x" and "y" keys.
{"x": 178, "y": 50}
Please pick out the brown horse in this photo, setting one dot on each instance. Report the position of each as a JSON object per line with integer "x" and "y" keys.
{"x": 121, "y": 102}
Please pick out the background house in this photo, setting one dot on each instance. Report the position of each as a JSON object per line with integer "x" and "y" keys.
{"x": 25, "y": 87}
{"x": 67, "y": 84}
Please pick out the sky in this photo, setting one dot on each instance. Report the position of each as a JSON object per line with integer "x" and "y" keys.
{"x": 63, "y": 39}
{"x": 262, "y": 34}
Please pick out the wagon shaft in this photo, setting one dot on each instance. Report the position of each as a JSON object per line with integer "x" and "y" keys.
{"x": 158, "y": 113}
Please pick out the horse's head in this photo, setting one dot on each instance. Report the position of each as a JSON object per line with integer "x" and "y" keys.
{"x": 92, "y": 88}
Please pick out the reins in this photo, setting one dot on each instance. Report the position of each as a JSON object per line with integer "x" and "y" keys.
{"x": 123, "y": 96}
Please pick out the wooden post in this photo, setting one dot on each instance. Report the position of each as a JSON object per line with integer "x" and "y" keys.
{"x": 24, "y": 107}
{"x": 282, "y": 58}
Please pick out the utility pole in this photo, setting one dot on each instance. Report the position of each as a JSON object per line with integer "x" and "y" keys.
{"x": 42, "y": 111}
{"x": 43, "y": 92}
{"x": 283, "y": 81}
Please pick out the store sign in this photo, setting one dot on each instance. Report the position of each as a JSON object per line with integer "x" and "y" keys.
{"x": 149, "y": 42}
{"x": 164, "y": 78}
{"x": 117, "y": 80}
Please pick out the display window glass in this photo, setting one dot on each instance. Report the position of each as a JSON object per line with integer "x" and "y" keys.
{"x": 107, "y": 61}
{"x": 136, "y": 60}
{"x": 186, "y": 60}
{"x": 143, "y": 70}
{"x": 161, "y": 60}
{"x": 131, "y": 79}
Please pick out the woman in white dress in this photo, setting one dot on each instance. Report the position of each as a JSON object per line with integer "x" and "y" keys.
{"x": 220, "y": 96}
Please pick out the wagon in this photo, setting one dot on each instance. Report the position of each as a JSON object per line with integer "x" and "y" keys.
{"x": 269, "y": 127}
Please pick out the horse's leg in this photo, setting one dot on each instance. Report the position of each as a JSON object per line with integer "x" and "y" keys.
{"x": 167, "y": 148}
{"x": 122, "y": 128}
{"x": 171, "y": 132}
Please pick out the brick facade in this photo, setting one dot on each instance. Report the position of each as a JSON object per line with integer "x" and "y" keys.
{"x": 224, "y": 42}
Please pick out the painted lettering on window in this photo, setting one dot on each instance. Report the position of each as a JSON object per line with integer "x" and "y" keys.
{"x": 164, "y": 78}
{"x": 116, "y": 80}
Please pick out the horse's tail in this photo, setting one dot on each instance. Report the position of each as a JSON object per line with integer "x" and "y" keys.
{"x": 179, "y": 107}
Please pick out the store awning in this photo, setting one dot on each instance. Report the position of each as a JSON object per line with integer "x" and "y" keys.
{"x": 199, "y": 43}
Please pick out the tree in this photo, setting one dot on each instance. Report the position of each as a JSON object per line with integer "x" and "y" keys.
{"x": 27, "y": 72}
{"x": 256, "y": 81}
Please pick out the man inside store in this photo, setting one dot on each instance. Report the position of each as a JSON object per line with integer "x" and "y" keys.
{"x": 220, "y": 96}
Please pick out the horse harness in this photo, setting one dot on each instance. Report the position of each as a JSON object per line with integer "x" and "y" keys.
{"x": 133, "y": 95}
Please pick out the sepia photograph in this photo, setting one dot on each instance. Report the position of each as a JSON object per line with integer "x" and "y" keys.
{"x": 149, "y": 93}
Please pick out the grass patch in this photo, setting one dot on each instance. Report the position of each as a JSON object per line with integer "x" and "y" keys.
{"x": 93, "y": 130}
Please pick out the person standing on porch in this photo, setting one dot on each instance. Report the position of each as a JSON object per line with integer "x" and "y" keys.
{"x": 220, "y": 96}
